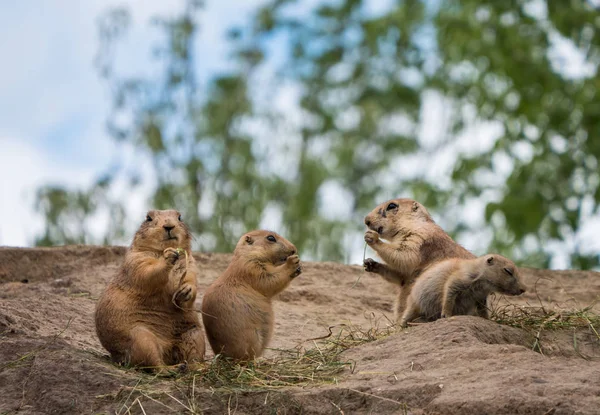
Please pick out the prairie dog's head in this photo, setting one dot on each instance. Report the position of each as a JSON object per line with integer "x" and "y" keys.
{"x": 397, "y": 217}
{"x": 501, "y": 273}
{"x": 162, "y": 229}
{"x": 264, "y": 247}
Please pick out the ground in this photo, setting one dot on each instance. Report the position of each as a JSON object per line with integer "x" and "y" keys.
{"x": 52, "y": 362}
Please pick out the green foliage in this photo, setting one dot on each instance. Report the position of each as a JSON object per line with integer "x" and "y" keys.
{"x": 364, "y": 80}
{"x": 70, "y": 214}
{"x": 512, "y": 80}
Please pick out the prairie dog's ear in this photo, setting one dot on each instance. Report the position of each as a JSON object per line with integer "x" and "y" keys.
{"x": 490, "y": 260}
{"x": 415, "y": 206}
{"x": 249, "y": 240}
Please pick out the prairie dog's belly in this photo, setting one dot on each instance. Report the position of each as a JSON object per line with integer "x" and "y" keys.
{"x": 466, "y": 302}
{"x": 237, "y": 318}
{"x": 124, "y": 310}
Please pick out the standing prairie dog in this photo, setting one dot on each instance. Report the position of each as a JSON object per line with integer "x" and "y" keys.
{"x": 146, "y": 315}
{"x": 414, "y": 242}
{"x": 236, "y": 308}
{"x": 461, "y": 287}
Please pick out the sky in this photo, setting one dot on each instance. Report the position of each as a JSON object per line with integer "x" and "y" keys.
{"x": 53, "y": 104}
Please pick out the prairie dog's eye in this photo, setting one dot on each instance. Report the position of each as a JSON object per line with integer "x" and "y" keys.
{"x": 271, "y": 238}
{"x": 508, "y": 271}
{"x": 391, "y": 206}
{"x": 148, "y": 218}
{"x": 179, "y": 218}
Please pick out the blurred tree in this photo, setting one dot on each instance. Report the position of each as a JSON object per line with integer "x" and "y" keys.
{"x": 549, "y": 118}
{"x": 389, "y": 102}
{"x": 196, "y": 148}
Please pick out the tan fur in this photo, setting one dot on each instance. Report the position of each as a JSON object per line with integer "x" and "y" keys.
{"x": 413, "y": 242}
{"x": 236, "y": 308}
{"x": 146, "y": 315}
{"x": 461, "y": 287}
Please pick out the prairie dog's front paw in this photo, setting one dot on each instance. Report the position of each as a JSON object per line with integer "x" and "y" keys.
{"x": 297, "y": 272}
{"x": 293, "y": 261}
{"x": 371, "y": 265}
{"x": 171, "y": 255}
{"x": 371, "y": 237}
{"x": 183, "y": 294}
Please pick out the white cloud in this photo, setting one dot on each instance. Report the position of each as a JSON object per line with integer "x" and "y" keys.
{"x": 567, "y": 59}
{"x": 272, "y": 218}
{"x": 23, "y": 168}
{"x": 335, "y": 201}
{"x": 54, "y": 105}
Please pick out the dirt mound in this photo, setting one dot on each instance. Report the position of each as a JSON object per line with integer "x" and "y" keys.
{"x": 52, "y": 362}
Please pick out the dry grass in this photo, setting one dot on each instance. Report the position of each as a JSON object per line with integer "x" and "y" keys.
{"x": 313, "y": 363}
{"x": 320, "y": 363}
{"x": 539, "y": 320}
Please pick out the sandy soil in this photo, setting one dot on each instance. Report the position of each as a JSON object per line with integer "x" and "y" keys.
{"x": 52, "y": 362}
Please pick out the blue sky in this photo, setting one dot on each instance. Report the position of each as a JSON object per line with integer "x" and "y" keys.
{"x": 53, "y": 104}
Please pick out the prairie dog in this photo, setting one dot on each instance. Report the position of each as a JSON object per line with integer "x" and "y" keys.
{"x": 236, "y": 308}
{"x": 461, "y": 287}
{"x": 146, "y": 315}
{"x": 413, "y": 243}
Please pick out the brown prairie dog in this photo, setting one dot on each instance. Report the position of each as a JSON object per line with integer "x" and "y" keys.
{"x": 146, "y": 315}
{"x": 236, "y": 308}
{"x": 461, "y": 287}
{"x": 413, "y": 242}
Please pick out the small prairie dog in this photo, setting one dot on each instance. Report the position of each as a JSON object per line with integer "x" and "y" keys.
{"x": 413, "y": 242}
{"x": 146, "y": 316}
{"x": 461, "y": 287}
{"x": 236, "y": 308}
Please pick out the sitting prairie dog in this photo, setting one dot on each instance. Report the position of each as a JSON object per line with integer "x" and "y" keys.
{"x": 461, "y": 287}
{"x": 146, "y": 316}
{"x": 414, "y": 242}
{"x": 236, "y": 308}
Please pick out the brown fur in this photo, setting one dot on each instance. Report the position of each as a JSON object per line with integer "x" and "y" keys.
{"x": 146, "y": 315}
{"x": 236, "y": 308}
{"x": 414, "y": 242}
{"x": 461, "y": 287}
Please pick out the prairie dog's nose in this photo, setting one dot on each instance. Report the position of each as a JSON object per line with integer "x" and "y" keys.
{"x": 168, "y": 228}
{"x": 293, "y": 252}
{"x": 367, "y": 221}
